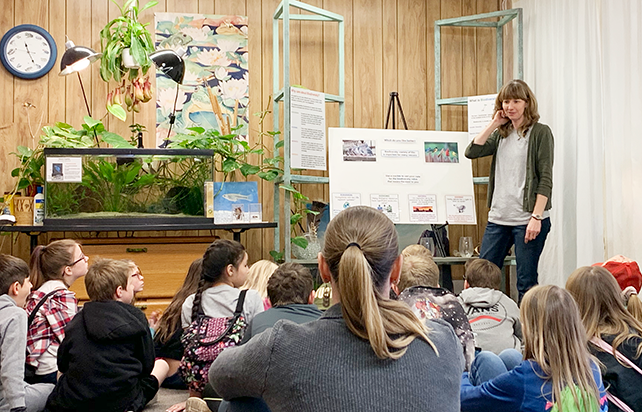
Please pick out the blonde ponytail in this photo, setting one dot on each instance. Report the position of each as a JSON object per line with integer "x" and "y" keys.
{"x": 360, "y": 248}
{"x": 634, "y": 306}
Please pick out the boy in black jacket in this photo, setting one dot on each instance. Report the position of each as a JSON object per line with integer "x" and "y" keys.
{"x": 107, "y": 356}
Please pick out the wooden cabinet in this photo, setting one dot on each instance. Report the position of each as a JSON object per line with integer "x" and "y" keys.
{"x": 163, "y": 262}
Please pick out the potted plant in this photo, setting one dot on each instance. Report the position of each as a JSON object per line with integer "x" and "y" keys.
{"x": 123, "y": 38}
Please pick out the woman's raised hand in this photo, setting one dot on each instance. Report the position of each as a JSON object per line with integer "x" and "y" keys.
{"x": 500, "y": 118}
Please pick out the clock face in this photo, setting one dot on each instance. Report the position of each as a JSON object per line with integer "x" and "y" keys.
{"x": 28, "y": 51}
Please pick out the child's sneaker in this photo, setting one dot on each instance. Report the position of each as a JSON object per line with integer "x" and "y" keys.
{"x": 195, "y": 404}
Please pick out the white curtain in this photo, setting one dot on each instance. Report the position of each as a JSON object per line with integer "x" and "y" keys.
{"x": 583, "y": 61}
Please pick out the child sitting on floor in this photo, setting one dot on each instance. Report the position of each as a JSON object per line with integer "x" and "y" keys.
{"x": 107, "y": 357}
{"x": 493, "y": 316}
{"x": 419, "y": 289}
{"x": 15, "y": 394}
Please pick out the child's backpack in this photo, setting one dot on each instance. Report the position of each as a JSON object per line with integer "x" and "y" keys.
{"x": 204, "y": 339}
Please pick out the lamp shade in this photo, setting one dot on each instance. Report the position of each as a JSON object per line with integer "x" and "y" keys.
{"x": 76, "y": 58}
{"x": 170, "y": 63}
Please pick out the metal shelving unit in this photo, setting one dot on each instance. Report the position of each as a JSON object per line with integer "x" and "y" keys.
{"x": 281, "y": 93}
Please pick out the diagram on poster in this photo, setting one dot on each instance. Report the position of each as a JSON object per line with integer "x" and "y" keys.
{"x": 388, "y": 204}
{"x": 480, "y": 113}
{"x": 407, "y": 174}
{"x": 342, "y": 201}
{"x": 423, "y": 208}
{"x": 307, "y": 129}
{"x": 460, "y": 209}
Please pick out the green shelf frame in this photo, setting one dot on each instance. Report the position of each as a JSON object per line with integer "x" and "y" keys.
{"x": 477, "y": 20}
{"x": 281, "y": 93}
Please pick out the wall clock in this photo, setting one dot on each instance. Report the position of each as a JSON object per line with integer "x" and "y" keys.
{"x": 28, "y": 51}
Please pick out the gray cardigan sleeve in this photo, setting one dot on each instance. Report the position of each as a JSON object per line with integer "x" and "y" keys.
{"x": 242, "y": 370}
{"x": 545, "y": 151}
{"x": 13, "y": 341}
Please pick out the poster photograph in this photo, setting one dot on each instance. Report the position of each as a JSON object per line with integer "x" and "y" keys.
{"x": 359, "y": 151}
{"x": 441, "y": 152}
{"x": 423, "y": 208}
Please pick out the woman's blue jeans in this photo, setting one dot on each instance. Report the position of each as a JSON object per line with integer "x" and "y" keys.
{"x": 498, "y": 240}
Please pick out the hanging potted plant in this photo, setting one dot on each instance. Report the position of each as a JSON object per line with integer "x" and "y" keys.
{"x": 126, "y": 44}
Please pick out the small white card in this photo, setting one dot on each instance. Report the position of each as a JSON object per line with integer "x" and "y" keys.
{"x": 388, "y": 204}
{"x": 460, "y": 210}
{"x": 342, "y": 201}
{"x": 423, "y": 208}
{"x": 64, "y": 169}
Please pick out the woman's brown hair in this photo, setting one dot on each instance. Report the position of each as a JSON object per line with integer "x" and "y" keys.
{"x": 517, "y": 89}
{"x": 48, "y": 262}
{"x": 360, "y": 250}
{"x": 555, "y": 338}
{"x": 599, "y": 298}
{"x": 171, "y": 318}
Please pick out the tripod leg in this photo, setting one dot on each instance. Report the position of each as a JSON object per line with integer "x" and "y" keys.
{"x": 403, "y": 118}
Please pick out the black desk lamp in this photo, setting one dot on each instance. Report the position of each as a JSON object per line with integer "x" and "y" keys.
{"x": 75, "y": 59}
{"x": 173, "y": 66}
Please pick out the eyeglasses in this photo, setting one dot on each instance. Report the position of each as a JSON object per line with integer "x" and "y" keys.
{"x": 82, "y": 257}
{"x": 137, "y": 274}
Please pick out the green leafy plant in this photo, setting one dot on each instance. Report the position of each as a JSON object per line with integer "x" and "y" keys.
{"x": 59, "y": 135}
{"x": 127, "y": 33}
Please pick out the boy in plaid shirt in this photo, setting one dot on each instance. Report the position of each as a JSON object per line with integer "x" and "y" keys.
{"x": 15, "y": 394}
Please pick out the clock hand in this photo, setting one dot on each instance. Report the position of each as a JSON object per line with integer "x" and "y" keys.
{"x": 27, "y": 47}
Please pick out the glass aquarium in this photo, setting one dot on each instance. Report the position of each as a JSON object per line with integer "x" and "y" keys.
{"x": 126, "y": 185}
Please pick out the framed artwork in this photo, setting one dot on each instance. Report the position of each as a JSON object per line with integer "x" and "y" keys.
{"x": 215, "y": 91}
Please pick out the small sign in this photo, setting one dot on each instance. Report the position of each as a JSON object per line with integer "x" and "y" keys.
{"x": 64, "y": 169}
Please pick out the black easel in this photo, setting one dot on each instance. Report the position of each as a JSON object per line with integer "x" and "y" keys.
{"x": 441, "y": 244}
{"x": 394, "y": 98}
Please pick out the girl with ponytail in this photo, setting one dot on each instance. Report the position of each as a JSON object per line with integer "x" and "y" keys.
{"x": 367, "y": 352}
{"x": 224, "y": 270}
{"x": 53, "y": 269}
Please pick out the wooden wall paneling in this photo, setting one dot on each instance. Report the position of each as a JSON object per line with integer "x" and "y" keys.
{"x": 147, "y": 115}
{"x": 78, "y": 17}
{"x": 368, "y": 55}
{"x": 265, "y": 72}
{"x": 486, "y": 69}
{"x": 30, "y": 97}
{"x": 312, "y": 55}
{"x": 331, "y": 66}
{"x": 182, "y": 6}
{"x": 254, "y": 239}
{"x": 206, "y": 7}
{"x": 98, "y": 103}
{"x": 57, "y": 84}
{"x": 413, "y": 62}
{"x": 433, "y": 12}
{"x": 393, "y": 34}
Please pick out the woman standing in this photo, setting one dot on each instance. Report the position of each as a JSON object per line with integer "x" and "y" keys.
{"x": 520, "y": 182}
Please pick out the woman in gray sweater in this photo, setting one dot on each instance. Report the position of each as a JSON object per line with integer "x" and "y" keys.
{"x": 366, "y": 353}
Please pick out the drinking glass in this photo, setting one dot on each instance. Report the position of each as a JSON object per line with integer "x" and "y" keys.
{"x": 466, "y": 246}
{"x": 428, "y": 243}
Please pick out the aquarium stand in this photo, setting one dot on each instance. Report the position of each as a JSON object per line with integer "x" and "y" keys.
{"x": 139, "y": 225}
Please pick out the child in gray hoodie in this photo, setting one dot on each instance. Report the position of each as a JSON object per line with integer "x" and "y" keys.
{"x": 493, "y": 316}
{"x": 15, "y": 394}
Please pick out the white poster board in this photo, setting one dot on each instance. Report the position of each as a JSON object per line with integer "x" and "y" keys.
{"x": 414, "y": 177}
{"x": 480, "y": 113}
{"x": 307, "y": 129}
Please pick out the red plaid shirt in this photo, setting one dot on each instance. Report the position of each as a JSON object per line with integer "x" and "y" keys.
{"x": 48, "y": 327}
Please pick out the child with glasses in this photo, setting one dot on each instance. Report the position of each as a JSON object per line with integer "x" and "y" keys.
{"x": 53, "y": 269}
